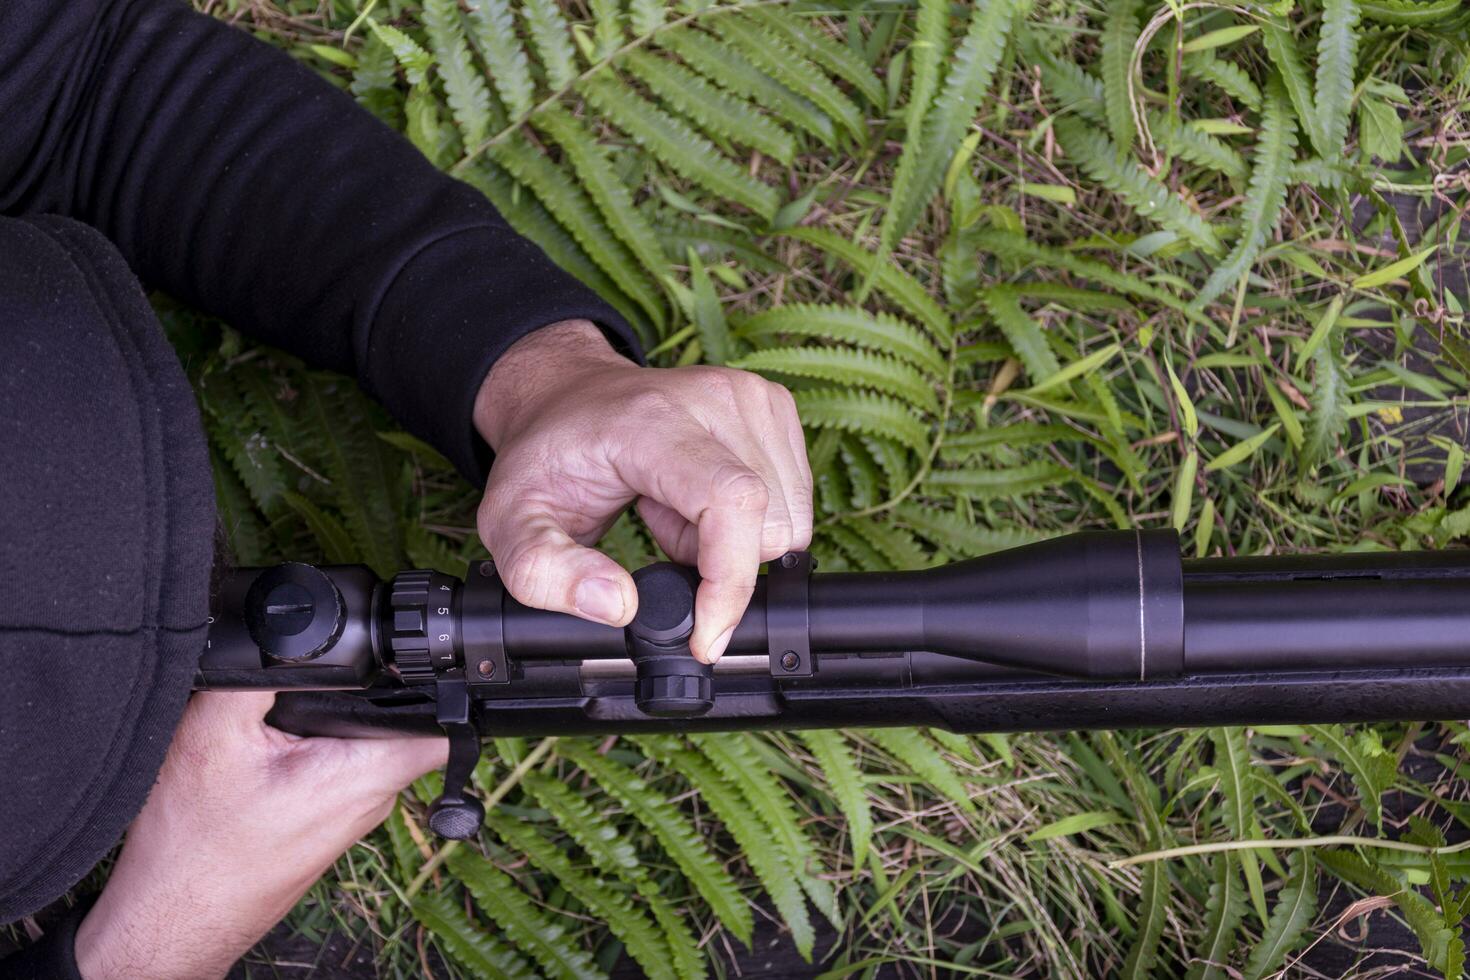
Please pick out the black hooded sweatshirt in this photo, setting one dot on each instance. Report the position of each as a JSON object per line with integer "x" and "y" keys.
{"x": 142, "y": 141}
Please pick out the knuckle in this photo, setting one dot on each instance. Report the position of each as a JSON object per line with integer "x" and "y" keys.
{"x": 781, "y": 396}
{"x": 740, "y": 488}
{"x": 528, "y": 572}
{"x": 649, "y": 402}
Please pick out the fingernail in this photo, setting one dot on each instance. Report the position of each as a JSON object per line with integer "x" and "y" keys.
{"x": 600, "y": 598}
{"x": 717, "y": 648}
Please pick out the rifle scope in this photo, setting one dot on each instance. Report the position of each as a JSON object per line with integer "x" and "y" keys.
{"x": 1093, "y": 630}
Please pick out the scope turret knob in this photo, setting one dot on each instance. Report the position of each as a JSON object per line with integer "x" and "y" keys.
{"x": 294, "y": 612}
{"x": 423, "y": 630}
{"x": 670, "y": 682}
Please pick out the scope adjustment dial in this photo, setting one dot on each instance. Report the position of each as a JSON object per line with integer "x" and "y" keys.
{"x": 294, "y": 612}
{"x": 423, "y": 625}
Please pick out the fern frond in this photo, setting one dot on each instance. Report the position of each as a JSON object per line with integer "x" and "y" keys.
{"x": 834, "y": 758}
{"x": 921, "y": 758}
{"x": 861, "y": 411}
{"x": 569, "y": 203}
{"x": 1022, "y": 332}
{"x": 374, "y": 81}
{"x": 1120, "y": 32}
{"x": 683, "y": 844}
{"x": 647, "y": 16}
{"x": 1337, "y": 61}
{"x": 988, "y": 483}
{"x": 643, "y": 941}
{"x": 532, "y": 930}
{"x": 1265, "y": 195}
{"x": 846, "y": 366}
{"x": 607, "y": 190}
{"x": 1199, "y": 148}
{"x": 410, "y": 54}
{"x": 892, "y": 458}
{"x": 767, "y": 51}
{"x": 1410, "y": 13}
{"x": 237, "y": 516}
{"x": 467, "y": 943}
{"x": 732, "y": 71}
{"x": 838, "y": 59}
{"x": 1287, "y": 57}
{"x": 1227, "y": 76}
{"x": 1224, "y": 911}
{"x": 1145, "y": 194}
{"x": 928, "y": 151}
{"x": 888, "y": 278}
{"x": 862, "y": 472}
{"x": 766, "y": 858}
{"x": 847, "y": 324}
{"x": 469, "y": 99}
{"x": 928, "y": 52}
{"x": 607, "y": 28}
{"x": 949, "y": 531}
{"x": 677, "y": 146}
{"x": 551, "y": 39}
{"x": 1289, "y": 920}
{"x": 493, "y": 26}
{"x": 711, "y": 109}
{"x": 898, "y": 547}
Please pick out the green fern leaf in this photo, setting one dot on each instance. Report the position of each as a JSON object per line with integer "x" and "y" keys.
{"x": 469, "y": 99}
{"x": 679, "y": 839}
{"x": 733, "y": 756}
{"x": 1199, "y": 148}
{"x": 1227, "y": 76}
{"x": 1120, "y": 32}
{"x": 643, "y": 941}
{"x": 415, "y": 60}
{"x": 860, "y": 411}
{"x": 919, "y": 756}
{"x": 1265, "y": 196}
{"x": 862, "y": 473}
{"x": 1410, "y": 13}
{"x": 607, "y": 30}
{"x": 532, "y": 930}
{"x": 706, "y": 313}
{"x": 848, "y": 324}
{"x": 864, "y": 555}
{"x": 1022, "y": 332}
{"x": 899, "y": 548}
{"x": 1289, "y": 920}
{"x": 237, "y": 517}
{"x": 834, "y": 758}
{"x": 338, "y": 546}
{"x": 1374, "y": 769}
{"x": 375, "y": 81}
{"x": 888, "y": 278}
{"x": 990, "y": 483}
{"x": 606, "y": 189}
{"x": 248, "y": 449}
{"x": 1287, "y": 57}
{"x": 716, "y": 112}
{"x": 928, "y": 150}
{"x": 948, "y": 530}
{"x": 1337, "y": 60}
{"x": 838, "y": 59}
{"x": 551, "y": 40}
{"x": 677, "y": 146}
{"x": 733, "y": 72}
{"x": 647, "y": 16}
{"x": 768, "y": 860}
{"x": 493, "y": 26}
{"x": 893, "y": 458}
{"x": 928, "y": 51}
{"x": 463, "y": 940}
{"x": 1145, "y": 194}
{"x": 1329, "y": 406}
{"x": 767, "y": 51}
{"x": 846, "y": 366}
{"x": 1224, "y": 912}
{"x": 565, "y": 198}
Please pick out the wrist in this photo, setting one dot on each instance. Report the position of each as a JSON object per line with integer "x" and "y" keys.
{"x": 552, "y": 359}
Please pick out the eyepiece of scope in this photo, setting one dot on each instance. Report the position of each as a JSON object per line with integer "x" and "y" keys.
{"x": 670, "y": 682}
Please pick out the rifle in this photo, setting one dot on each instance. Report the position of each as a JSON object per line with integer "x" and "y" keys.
{"x": 1093, "y": 630}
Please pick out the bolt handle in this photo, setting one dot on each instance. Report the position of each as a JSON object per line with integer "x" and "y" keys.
{"x": 670, "y": 682}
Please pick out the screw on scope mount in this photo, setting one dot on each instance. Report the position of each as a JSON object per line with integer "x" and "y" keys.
{"x": 670, "y": 683}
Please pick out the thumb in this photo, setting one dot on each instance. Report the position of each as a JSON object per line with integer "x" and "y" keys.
{"x": 543, "y": 567}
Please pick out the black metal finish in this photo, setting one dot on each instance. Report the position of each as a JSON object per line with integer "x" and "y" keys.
{"x": 670, "y": 683}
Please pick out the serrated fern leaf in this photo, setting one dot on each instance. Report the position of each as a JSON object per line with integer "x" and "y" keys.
{"x": 1153, "y": 912}
{"x": 928, "y": 150}
{"x": 1120, "y": 32}
{"x": 846, "y": 366}
{"x": 733, "y": 756}
{"x": 607, "y": 28}
{"x": 1328, "y": 416}
{"x": 928, "y": 52}
{"x": 990, "y": 483}
{"x": 888, "y": 278}
{"x": 1227, "y": 76}
{"x": 862, "y": 473}
{"x": 607, "y": 190}
{"x": 838, "y": 59}
{"x": 711, "y": 109}
{"x": 237, "y": 517}
{"x": 768, "y": 51}
{"x": 1337, "y": 60}
{"x": 705, "y": 872}
{"x": 1224, "y": 912}
{"x": 766, "y": 858}
{"x": 1287, "y": 57}
{"x": 469, "y": 99}
{"x": 861, "y": 411}
{"x": 1145, "y": 194}
{"x": 1022, "y": 332}
{"x": 919, "y": 756}
{"x": 1200, "y": 148}
{"x": 1373, "y": 768}
{"x": 948, "y": 530}
{"x": 1265, "y": 196}
{"x": 467, "y": 943}
{"x": 492, "y": 24}
{"x": 551, "y": 39}
{"x": 1289, "y": 920}
{"x": 643, "y": 941}
{"x": 848, "y": 324}
{"x": 834, "y": 758}
{"x": 899, "y": 548}
{"x": 647, "y": 16}
{"x": 532, "y": 930}
{"x": 733, "y": 72}
{"x": 374, "y": 81}
{"x": 410, "y": 54}
{"x": 677, "y": 146}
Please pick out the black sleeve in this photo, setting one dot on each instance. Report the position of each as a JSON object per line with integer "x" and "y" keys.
{"x": 53, "y": 956}
{"x": 237, "y": 180}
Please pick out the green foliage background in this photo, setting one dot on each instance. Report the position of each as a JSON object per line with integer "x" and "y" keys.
{"x": 1030, "y": 266}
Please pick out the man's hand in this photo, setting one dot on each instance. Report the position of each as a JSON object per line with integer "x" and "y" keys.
{"x": 241, "y": 822}
{"x": 714, "y": 457}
